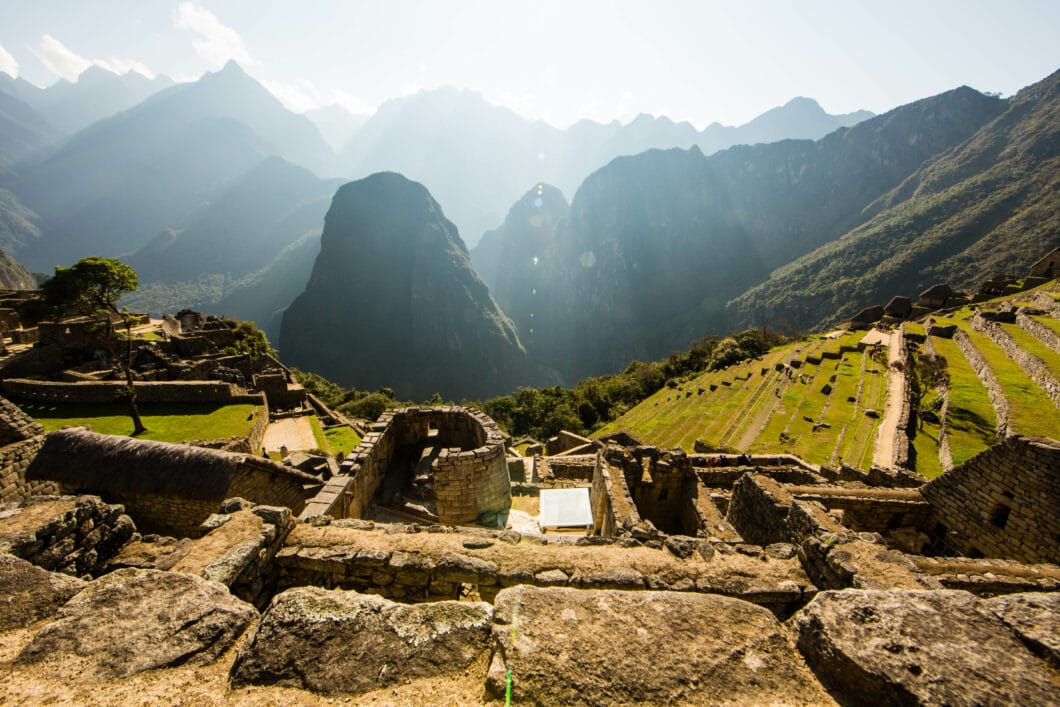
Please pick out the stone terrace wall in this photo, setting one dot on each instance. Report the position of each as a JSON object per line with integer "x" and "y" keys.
{"x": 1039, "y": 331}
{"x": 1033, "y": 366}
{"x": 470, "y": 475}
{"x": 1004, "y": 502}
{"x": 993, "y": 386}
{"x": 146, "y": 392}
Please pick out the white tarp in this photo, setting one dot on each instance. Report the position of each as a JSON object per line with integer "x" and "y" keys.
{"x": 565, "y": 508}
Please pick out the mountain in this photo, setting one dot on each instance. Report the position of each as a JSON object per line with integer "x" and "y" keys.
{"x": 989, "y": 205}
{"x": 97, "y": 94}
{"x": 478, "y": 158}
{"x": 513, "y": 258}
{"x": 13, "y": 276}
{"x": 800, "y": 118}
{"x": 656, "y": 244}
{"x": 23, "y": 131}
{"x": 336, "y": 124}
{"x": 256, "y": 216}
{"x": 393, "y": 300}
{"x": 113, "y": 186}
{"x": 18, "y": 225}
{"x": 261, "y": 232}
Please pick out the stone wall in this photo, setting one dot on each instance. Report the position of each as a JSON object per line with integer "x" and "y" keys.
{"x": 1039, "y": 331}
{"x": 1004, "y": 502}
{"x": 1034, "y": 367}
{"x": 414, "y": 564}
{"x": 146, "y": 392}
{"x": 573, "y": 468}
{"x": 870, "y": 510}
{"x": 614, "y": 512}
{"x": 470, "y": 474}
{"x": 73, "y": 535}
{"x": 21, "y": 437}
{"x": 14, "y": 459}
{"x": 993, "y": 386}
{"x": 758, "y": 509}
{"x": 257, "y": 432}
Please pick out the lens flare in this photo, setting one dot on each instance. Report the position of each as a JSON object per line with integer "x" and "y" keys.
{"x": 587, "y": 259}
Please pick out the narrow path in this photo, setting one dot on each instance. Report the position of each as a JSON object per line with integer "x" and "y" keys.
{"x": 883, "y": 454}
{"x": 293, "y": 432}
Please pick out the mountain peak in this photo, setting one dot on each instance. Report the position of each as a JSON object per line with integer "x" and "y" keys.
{"x": 804, "y": 102}
{"x": 232, "y": 68}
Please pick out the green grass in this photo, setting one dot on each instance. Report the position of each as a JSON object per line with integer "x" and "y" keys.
{"x": 860, "y": 438}
{"x": 971, "y": 423}
{"x": 926, "y": 445}
{"x": 333, "y": 440}
{"x": 165, "y": 422}
{"x": 341, "y": 438}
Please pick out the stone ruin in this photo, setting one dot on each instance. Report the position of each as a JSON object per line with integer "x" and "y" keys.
{"x": 433, "y": 464}
{"x": 705, "y": 579}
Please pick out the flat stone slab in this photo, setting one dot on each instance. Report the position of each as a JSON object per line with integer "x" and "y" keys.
{"x": 340, "y": 642}
{"x": 29, "y": 593}
{"x": 917, "y": 647}
{"x": 574, "y": 646}
{"x": 133, "y": 620}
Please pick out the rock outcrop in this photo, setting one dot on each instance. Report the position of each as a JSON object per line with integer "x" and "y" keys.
{"x": 394, "y": 301}
{"x": 337, "y": 642}
{"x": 575, "y": 647}
{"x": 29, "y": 594}
{"x": 917, "y": 647}
{"x": 134, "y": 620}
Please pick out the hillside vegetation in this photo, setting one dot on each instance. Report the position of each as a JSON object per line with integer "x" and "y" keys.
{"x": 823, "y": 398}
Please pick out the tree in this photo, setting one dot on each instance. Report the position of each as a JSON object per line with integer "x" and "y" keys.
{"x": 93, "y": 287}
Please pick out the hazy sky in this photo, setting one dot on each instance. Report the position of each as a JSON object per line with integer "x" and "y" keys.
{"x": 696, "y": 60}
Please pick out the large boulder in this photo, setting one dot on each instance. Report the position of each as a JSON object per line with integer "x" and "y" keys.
{"x": 29, "y": 594}
{"x": 339, "y": 642}
{"x": 133, "y": 620}
{"x": 917, "y": 647}
{"x": 1035, "y": 618}
{"x": 573, "y": 646}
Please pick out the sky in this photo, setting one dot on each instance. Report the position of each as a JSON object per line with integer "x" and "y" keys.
{"x": 560, "y": 61}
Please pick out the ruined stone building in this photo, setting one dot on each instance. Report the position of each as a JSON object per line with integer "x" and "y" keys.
{"x": 703, "y": 578}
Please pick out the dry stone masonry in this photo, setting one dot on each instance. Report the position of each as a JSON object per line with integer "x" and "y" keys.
{"x": 705, "y": 578}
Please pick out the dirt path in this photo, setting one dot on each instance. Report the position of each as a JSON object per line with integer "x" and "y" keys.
{"x": 883, "y": 454}
{"x": 293, "y": 432}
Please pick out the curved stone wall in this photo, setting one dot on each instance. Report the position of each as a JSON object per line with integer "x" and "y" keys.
{"x": 470, "y": 474}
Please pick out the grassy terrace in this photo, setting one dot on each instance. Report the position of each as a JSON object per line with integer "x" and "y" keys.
{"x": 749, "y": 408}
{"x": 972, "y": 424}
{"x": 859, "y": 439}
{"x": 164, "y": 422}
{"x": 1032, "y": 345}
{"x": 678, "y": 416}
{"x": 1030, "y": 410}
